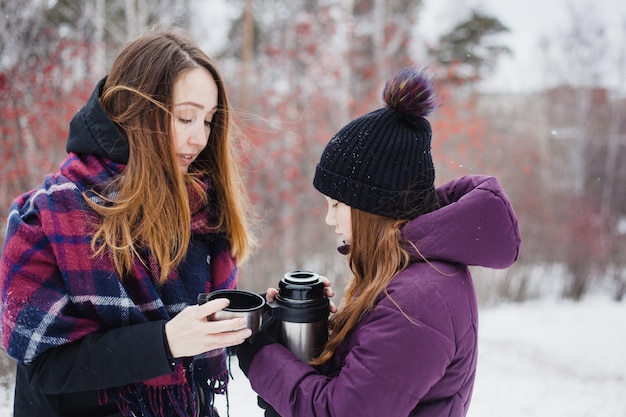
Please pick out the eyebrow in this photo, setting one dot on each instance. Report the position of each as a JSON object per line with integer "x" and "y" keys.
{"x": 194, "y": 104}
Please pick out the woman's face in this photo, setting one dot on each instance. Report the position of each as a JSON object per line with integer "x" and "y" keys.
{"x": 339, "y": 216}
{"x": 194, "y": 105}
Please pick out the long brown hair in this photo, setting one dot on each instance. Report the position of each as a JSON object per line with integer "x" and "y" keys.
{"x": 151, "y": 199}
{"x": 376, "y": 256}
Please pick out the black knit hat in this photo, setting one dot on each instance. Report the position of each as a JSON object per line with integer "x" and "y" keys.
{"x": 381, "y": 162}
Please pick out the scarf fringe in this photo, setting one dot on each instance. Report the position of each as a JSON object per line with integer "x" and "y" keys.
{"x": 169, "y": 395}
{"x": 176, "y": 398}
{"x": 156, "y": 401}
{"x": 219, "y": 384}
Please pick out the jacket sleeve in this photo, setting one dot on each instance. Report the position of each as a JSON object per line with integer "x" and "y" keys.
{"x": 392, "y": 364}
{"x": 102, "y": 360}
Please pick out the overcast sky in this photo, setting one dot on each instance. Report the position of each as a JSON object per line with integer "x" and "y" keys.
{"x": 529, "y": 22}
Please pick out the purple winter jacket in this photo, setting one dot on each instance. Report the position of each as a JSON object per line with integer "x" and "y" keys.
{"x": 415, "y": 353}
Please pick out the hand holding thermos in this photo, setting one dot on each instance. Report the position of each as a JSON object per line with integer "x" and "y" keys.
{"x": 296, "y": 317}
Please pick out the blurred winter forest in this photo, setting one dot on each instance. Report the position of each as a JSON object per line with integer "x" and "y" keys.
{"x": 298, "y": 71}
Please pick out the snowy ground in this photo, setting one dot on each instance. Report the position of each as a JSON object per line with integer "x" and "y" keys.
{"x": 539, "y": 359}
{"x": 552, "y": 360}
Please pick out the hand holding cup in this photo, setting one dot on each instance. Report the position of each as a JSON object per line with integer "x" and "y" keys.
{"x": 189, "y": 333}
{"x": 244, "y": 304}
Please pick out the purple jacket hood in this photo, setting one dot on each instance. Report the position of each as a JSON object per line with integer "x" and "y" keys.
{"x": 476, "y": 225}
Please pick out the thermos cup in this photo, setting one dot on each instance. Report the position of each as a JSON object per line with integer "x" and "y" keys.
{"x": 301, "y": 309}
{"x": 242, "y": 304}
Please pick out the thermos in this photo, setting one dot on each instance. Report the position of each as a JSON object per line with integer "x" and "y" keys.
{"x": 301, "y": 309}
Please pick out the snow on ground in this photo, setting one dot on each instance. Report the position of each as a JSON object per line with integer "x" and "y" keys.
{"x": 544, "y": 359}
{"x": 539, "y": 359}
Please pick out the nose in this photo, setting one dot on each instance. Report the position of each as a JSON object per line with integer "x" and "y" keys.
{"x": 330, "y": 218}
{"x": 199, "y": 136}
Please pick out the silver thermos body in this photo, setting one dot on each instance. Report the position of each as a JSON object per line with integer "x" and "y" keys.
{"x": 302, "y": 309}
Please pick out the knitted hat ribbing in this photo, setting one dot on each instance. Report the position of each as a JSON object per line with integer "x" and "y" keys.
{"x": 381, "y": 162}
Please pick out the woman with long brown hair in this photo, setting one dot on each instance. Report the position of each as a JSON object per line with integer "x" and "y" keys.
{"x": 103, "y": 262}
{"x": 404, "y": 340}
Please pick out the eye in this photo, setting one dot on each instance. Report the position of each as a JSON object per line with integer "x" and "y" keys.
{"x": 184, "y": 121}
{"x": 208, "y": 123}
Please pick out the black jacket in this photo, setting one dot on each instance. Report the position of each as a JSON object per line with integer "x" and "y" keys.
{"x": 64, "y": 381}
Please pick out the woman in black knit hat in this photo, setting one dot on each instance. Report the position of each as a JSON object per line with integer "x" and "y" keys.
{"x": 404, "y": 340}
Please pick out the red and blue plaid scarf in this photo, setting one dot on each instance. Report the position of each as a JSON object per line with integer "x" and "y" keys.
{"x": 55, "y": 291}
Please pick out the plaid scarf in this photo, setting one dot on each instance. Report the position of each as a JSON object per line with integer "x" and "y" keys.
{"x": 55, "y": 291}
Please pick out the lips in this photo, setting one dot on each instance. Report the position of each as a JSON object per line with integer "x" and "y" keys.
{"x": 184, "y": 160}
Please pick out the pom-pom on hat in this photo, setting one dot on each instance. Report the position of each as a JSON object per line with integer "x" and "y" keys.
{"x": 381, "y": 162}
